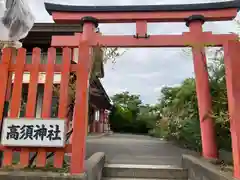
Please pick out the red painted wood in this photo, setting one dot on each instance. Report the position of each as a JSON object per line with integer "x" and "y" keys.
{"x": 101, "y": 115}
{"x": 47, "y": 100}
{"x": 232, "y": 64}
{"x": 141, "y": 28}
{"x": 32, "y": 97}
{"x": 102, "y": 120}
{"x": 43, "y": 67}
{"x": 63, "y": 99}
{"x": 67, "y": 149}
{"x": 4, "y": 66}
{"x": 164, "y": 16}
{"x": 16, "y": 97}
{"x": 81, "y": 101}
{"x": 184, "y": 40}
{"x": 80, "y": 112}
{"x": 196, "y": 39}
{"x": 209, "y": 146}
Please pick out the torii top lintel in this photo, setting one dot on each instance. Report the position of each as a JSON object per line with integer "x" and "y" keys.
{"x": 218, "y": 11}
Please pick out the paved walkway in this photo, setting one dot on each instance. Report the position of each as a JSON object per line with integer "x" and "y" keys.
{"x": 133, "y": 149}
{"x": 136, "y": 149}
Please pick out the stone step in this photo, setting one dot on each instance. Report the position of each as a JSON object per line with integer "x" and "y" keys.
{"x": 128, "y": 171}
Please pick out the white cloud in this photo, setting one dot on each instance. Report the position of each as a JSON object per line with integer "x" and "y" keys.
{"x": 158, "y": 89}
{"x": 143, "y": 71}
{"x": 112, "y": 91}
{"x": 145, "y": 75}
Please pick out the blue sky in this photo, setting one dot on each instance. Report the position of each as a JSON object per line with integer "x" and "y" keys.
{"x": 142, "y": 71}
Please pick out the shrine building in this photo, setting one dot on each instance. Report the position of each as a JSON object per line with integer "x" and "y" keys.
{"x": 99, "y": 102}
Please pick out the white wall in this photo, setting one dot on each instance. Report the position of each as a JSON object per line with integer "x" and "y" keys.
{"x": 39, "y": 101}
{"x": 97, "y": 115}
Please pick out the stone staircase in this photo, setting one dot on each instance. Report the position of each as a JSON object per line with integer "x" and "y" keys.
{"x": 140, "y": 172}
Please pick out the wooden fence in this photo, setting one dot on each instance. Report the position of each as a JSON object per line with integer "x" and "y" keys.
{"x": 19, "y": 67}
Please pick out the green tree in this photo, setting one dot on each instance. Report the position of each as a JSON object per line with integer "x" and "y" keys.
{"x": 148, "y": 114}
{"x": 179, "y": 111}
{"x": 129, "y": 101}
{"x": 120, "y": 119}
{"x": 130, "y": 115}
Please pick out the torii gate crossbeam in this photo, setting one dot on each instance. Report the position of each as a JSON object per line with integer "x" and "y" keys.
{"x": 194, "y": 15}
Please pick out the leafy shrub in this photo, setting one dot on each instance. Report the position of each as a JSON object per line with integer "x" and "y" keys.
{"x": 179, "y": 106}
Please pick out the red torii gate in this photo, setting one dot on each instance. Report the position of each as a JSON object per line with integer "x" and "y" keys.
{"x": 194, "y": 15}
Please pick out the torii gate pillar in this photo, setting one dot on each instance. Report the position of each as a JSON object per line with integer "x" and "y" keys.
{"x": 209, "y": 146}
{"x": 80, "y": 123}
{"x": 141, "y": 15}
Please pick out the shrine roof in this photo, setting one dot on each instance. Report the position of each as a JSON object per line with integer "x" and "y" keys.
{"x": 50, "y": 7}
{"x": 41, "y": 34}
{"x": 101, "y": 99}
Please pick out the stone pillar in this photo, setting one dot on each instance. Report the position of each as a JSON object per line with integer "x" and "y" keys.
{"x": 209, "y": 147}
